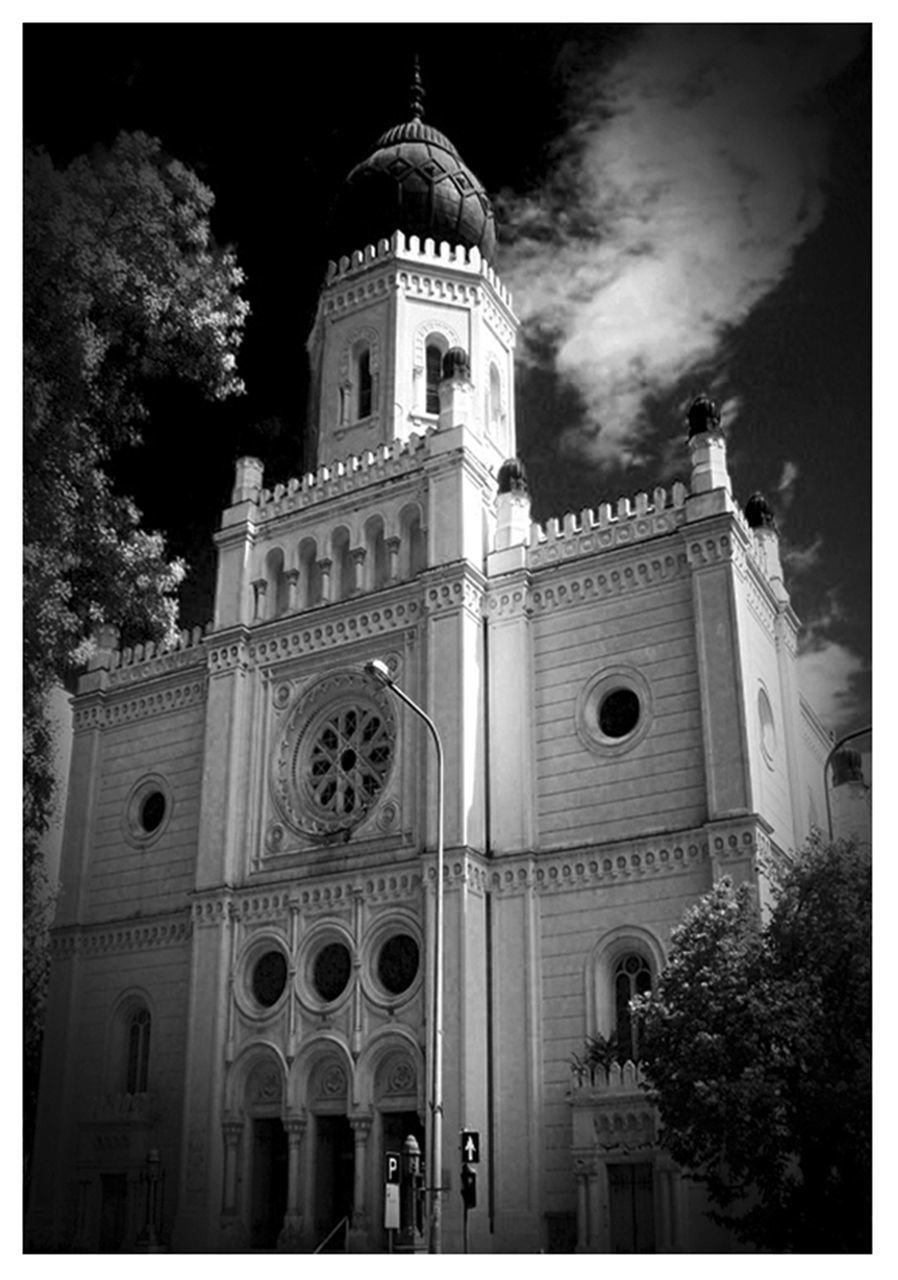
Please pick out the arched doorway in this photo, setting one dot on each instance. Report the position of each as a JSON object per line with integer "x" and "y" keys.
{"x": 397, "y": 1103}
{"x": 268, "y": 1155}
{"x": 333, "y": 1146}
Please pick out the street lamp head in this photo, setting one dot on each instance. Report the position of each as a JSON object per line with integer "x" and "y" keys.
{"x": 379, "y": 670}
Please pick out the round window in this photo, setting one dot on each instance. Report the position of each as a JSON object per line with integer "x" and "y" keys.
{"x": 397, "y": 963}
{"x": 768, "y": 728}
{"x": 619, "y": 713}
{"x": 148, "y": 811}
{"x": 269, "y": 978}
{"x": 152, "y": 811}
{"x": 331, "y": 970}
{"x": 334, "y": 758}
{"x": 614, "y": 710}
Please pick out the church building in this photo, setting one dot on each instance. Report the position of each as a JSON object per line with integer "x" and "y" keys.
{"x": 240, "y": 1015}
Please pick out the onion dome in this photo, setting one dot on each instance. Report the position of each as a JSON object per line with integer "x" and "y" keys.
{"x": 703, "y": 415}
{"x": 512, "y": 477}
{"x": 414, "y": 181}
{"x": 847, "y": 766}
{"x": 456, "y": 363}
{"x": 758, "y": 514}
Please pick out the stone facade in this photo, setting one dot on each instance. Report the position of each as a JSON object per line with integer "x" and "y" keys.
{"x": 249, "y": 854}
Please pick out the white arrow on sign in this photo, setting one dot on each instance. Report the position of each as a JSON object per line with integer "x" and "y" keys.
{"x": 470, "y": 1148}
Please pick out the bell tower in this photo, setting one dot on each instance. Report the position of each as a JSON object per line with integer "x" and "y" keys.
{"x": 414, "y": 282}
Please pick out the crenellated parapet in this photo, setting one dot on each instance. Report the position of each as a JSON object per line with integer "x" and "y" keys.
{"x": 631, "y": 520}
{"x": 410, "y": 249}
{"x": 358, "y": 471}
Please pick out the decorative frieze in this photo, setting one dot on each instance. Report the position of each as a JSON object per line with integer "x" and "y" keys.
{"x": 727, "y": 843}
{"x": 93, "y": 940}
{"x": 153, "y": 702}
{"x": 591, "y": 585}
{"x": 633, "y": 521}
{"x": 312, "y": 638}
{"x": 464, "y": 592}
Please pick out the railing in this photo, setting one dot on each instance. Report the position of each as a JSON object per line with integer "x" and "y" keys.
{"x": 333, "y": 1231}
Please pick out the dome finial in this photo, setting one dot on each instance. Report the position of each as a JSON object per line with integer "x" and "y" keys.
{"x": 416, "y": 92}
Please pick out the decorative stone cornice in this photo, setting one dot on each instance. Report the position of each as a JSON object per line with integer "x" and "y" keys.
{"x": 105, "y": 710}
{"x": 131, "y": 935}
{"x": 336, "y": 626}
{"x": 674, "y": 853}
{"x": 509, "y": 599}
{"x": 588, "y": 583}
{"x": 229, "y": 651}
{"x": 460, "y": 868}
{"x": 725, "y": 541}
{"x": 454, "y": 587}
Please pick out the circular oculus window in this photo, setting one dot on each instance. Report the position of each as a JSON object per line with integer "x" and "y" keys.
{"x": 269, "y": 978}
{"x": 335, "y": 756}
{"x": 397, "y": 963}
{"x": 614, "y": 710}
{"x": 331, "y": 970}
{"x": 768, "y": 727}
{"x": 147, "y": 810}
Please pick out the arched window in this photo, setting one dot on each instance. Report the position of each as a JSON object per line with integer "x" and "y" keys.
{"x": 413, "y": 543}
{"x": 632, "y": 977}
{"x": 138, "y": 1052}
{"x": 309, "y": 574}
{"x": 363, "y": 380}
{"x": 376, "y": 563}
{"x": 434, "y": 370}
{"x": 278, "y": 593}
{"x": 494, "y": 401}
{"x": 342, "y": 579}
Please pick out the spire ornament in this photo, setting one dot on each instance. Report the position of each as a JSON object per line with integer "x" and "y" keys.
{"x": 416, "y": 92}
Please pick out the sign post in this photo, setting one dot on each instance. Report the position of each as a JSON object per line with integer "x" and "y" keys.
{"x": 470, "y": 1155}
{"x": 391, "y": 1195}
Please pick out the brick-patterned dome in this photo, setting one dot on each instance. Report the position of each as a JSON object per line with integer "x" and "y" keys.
{"x": 414, "y": 181}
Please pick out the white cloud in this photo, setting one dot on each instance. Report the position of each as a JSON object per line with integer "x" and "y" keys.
{"x": 691, "y": 173}
{"x": 798, "y": 559}
{"x": 827, "y": 676}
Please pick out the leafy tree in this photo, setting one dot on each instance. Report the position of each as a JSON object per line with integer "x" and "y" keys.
{"x": 758, "y": 1046}
{"x": 122, "y": 284}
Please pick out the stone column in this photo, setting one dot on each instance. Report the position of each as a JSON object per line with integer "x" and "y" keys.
{"x": 361, "y": 1128}
{"x": 357, "y": 556}
{"x": 82, "y": 1242}
{"x": 393, "y": 544}
{"x": 290, "y": 1239}
{"x": 260, "y": 587}
{"x": 582, "y": 1211}
{"x": 292, "y": 576}
{"x": 233, "y": 1130}
{"x": 596, "y": 1243}
{"x": 325, "y": 567}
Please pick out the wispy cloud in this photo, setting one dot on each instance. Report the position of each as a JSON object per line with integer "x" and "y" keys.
{"x": 830, "y": 674}
{"x": 692, "y": 170}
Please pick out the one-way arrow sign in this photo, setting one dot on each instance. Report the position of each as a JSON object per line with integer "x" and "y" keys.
{"x": 470, "y": 1146}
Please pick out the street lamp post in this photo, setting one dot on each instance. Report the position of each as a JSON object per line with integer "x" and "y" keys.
{"x": 380, "y": 672}
{"x": 849, "y": 737}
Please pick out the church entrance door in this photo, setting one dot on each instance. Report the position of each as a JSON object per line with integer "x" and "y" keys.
{"x": 269, "y": 1184}
{"x": 631, "y": 1208}
{"x": 334, "y": 1173}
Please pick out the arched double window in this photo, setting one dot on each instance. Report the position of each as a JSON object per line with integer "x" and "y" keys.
{"x": 363, "y": 380}
{"x": 433, "y": 359}
{"x": 624, "y": 964}
{"x": 632, "y": 977}
{"x": 137, "y": 1056}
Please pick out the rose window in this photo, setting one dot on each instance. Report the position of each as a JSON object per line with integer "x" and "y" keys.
{"x": 348, "y": 761}
{"x": 334, "y": 757}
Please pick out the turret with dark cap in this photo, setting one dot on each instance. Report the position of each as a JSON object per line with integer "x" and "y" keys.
{"x": 456, "y": 403}
{"x": 512, "y": 505}
{"x": 707, "y": 446}
{"x": 758, "y": 512}
{"x": 760, "y": 519}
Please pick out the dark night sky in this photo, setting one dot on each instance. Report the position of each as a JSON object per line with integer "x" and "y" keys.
{"x": 750, "y": 272}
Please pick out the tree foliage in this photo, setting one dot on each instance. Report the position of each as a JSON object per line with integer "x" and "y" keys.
{"x": 758, "y": 1046}
{"x": 122, "y": 284}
